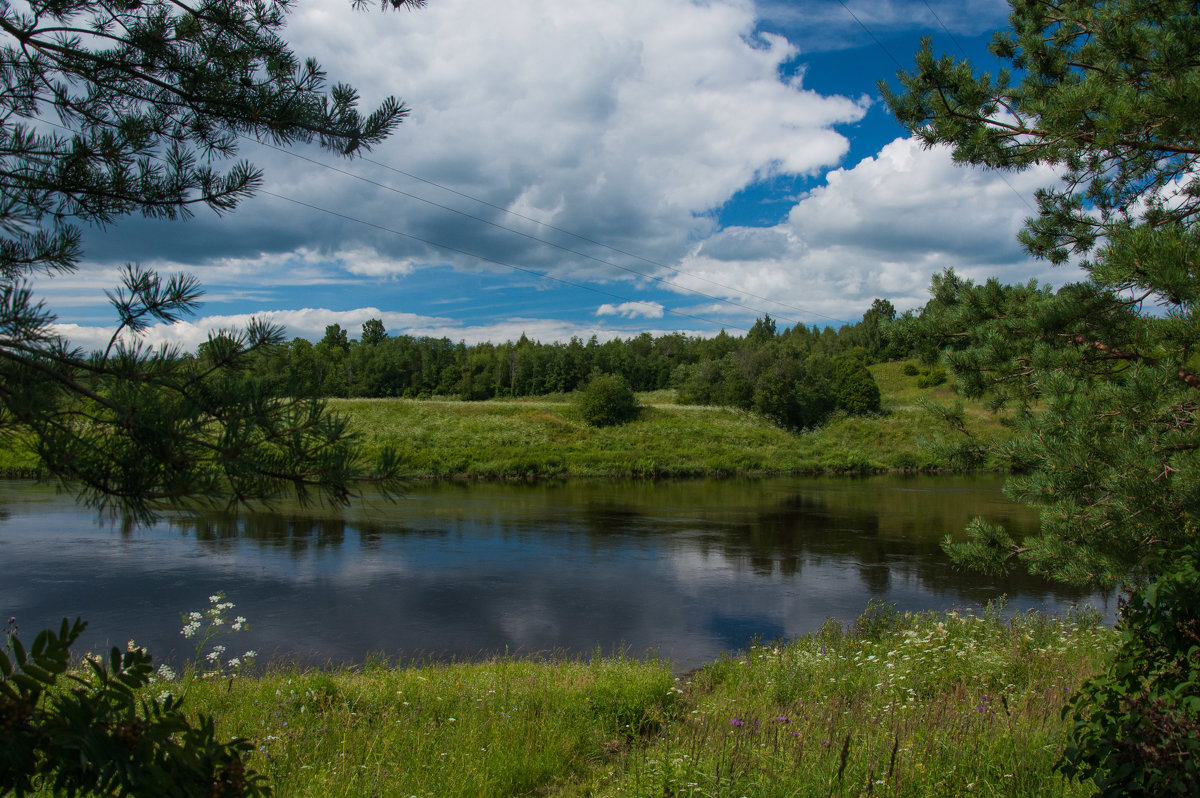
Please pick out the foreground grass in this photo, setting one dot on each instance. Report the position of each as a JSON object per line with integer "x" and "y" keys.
{"x": 924, "y": 705}
{"x": 547, "y": 437}
{"x": 509, "y": 727}
{"x": 908, "y": 705}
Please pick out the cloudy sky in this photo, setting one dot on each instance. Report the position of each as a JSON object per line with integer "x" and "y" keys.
{"x": 595, "y": 169}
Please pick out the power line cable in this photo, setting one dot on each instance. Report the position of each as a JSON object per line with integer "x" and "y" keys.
{"x": 484, "y": 258}
{"x": 962, "y": 50}
{"x": 618, "y": 250}
{"x": 548, "y": 226}
{"x": 576, "y": 252}
{"x": 943, "y": 25}
{"x": 872, "y": 35}
{"x": 999, "y": 173}
{"x": 449, "y": 248}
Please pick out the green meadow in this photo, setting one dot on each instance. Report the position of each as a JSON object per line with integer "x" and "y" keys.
{"x": 547, "y": 437}
{"x": 896, "y": 704}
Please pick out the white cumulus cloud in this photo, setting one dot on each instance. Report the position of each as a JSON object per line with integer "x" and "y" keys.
{"x": 879, "y": 228}
{"x": 632, "y": 310}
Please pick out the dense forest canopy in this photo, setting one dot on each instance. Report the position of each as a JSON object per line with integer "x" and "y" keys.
{"x": 796, "y": 376}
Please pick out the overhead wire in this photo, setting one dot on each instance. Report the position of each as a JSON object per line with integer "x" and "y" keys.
{"x": 938, "y": 19}
{"x": 477, "y": 256}
{"x": 862, "y": 25}
{"x": 449, "y": 248}
{"x": 546, "y": 275}
{"x": 961, "y": 49}
{"x": 609, "y": 247}
{"x": 523, "y": 234}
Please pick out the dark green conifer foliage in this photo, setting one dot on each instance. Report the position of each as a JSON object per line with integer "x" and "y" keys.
{"x": 1099, "y": 378}
{"x": 108, "y": 110}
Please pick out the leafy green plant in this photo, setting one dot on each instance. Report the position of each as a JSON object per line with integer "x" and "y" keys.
{"x": 932, "y": 378}
{"x": 1137, "y": 726}
{"x": 608, "y": 400}
{"x": 101, "y": 736}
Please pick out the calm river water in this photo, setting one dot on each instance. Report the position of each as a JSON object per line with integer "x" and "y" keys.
{"x": 688, "y": 569}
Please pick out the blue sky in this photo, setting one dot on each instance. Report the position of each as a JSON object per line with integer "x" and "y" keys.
{"x": 594, "y": 169}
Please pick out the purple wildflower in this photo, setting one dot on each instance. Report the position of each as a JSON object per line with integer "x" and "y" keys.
{"x": 737, "y": 722}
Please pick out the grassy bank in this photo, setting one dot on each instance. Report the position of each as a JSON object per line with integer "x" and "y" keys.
{"x": 16, "y": 460}
{"x": 546, "y": 437}
{"x": 906, "y": 705}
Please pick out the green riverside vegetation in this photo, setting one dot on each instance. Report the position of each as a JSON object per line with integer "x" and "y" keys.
{"x": 897, "y": 704}
{"x": 548, "y": 436}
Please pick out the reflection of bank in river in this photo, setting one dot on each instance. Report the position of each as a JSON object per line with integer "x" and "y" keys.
{"x": 689, "y": 568}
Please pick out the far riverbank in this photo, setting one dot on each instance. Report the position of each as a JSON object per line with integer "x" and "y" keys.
{"x": 547, "y": 438}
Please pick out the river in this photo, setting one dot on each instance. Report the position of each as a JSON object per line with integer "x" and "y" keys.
{"x": 687, "y": 569}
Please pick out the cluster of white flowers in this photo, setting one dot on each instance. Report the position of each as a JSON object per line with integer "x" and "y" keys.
{"x": 191, "y": 625}
{"x": 203, "y": 627}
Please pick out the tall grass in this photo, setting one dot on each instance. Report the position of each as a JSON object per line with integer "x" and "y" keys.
{"x": 907, "y": 705}
{"x": 931, "y": 704}
{"x": 17, "y": 460}
{"x": 508, "y": 727}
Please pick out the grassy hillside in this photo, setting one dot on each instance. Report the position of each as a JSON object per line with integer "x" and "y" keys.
{"x": 547, "y": 437}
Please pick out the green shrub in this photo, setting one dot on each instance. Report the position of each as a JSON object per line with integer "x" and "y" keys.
{"x": 793, "y": 398}
{"x": 879, "y": 620}
{"x": 102, "y": 736}
{"x": 1137, "y": 726}
{"x": 932, "y": 378}
{"x": 910, "y": 370}
{"x": 608, "y": 400}
{"x": 854, "y": 388}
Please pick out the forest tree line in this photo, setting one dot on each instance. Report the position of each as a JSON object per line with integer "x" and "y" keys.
{"x": 797, "y": 376}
